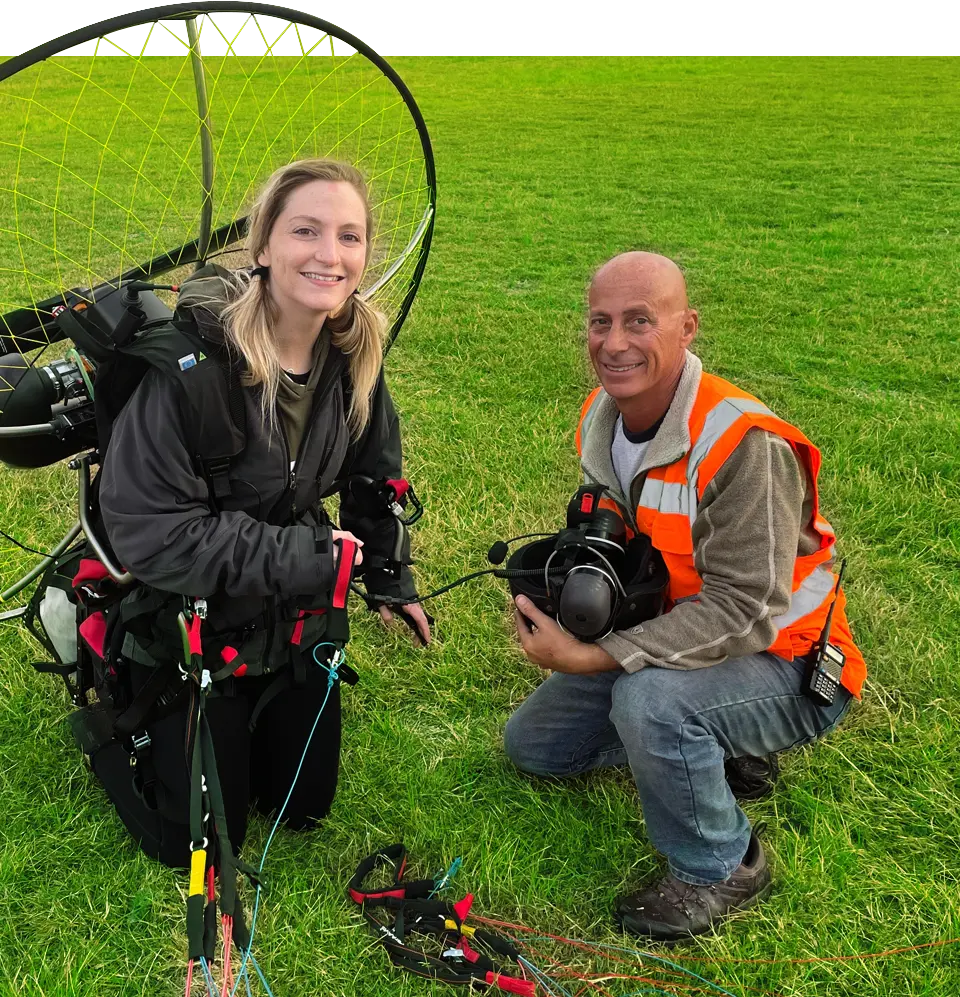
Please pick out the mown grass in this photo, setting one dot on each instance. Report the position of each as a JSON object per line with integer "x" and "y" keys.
{"x": 814, "y": 207}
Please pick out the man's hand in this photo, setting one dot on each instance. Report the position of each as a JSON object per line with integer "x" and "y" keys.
{"x": 550, "y": 647}
{"x": 415, "y": 611}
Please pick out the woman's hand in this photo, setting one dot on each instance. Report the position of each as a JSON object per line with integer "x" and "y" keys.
{"x": 419, "y": 617}
{"x": 346, "y": 535}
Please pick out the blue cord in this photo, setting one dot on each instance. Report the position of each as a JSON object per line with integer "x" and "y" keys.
{"x": 208, "y": 976}
{"x": 545, "y": 981}
{"x": 336, "y": 660}
{"x": 263, "y": 979}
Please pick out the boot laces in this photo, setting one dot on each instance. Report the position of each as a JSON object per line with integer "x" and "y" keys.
{"x": 679, "y": 894}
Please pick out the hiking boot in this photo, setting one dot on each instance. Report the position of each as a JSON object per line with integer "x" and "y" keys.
{"x": 672, "y": 909}
{"x": 750, "y": 777}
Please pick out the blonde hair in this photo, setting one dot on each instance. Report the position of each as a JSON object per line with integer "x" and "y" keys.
{"x": 357, "y": 328}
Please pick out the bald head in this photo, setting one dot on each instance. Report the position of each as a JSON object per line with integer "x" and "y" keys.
{"x": 639, "y": 327}
{"x": 648, "y": 273}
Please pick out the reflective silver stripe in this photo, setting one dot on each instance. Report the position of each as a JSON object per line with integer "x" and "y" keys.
{"x": 587, "y": 419}
{"x": 719, "y": 419}
{"x": 813, "y": 591}
{"x": 666, "y": 496}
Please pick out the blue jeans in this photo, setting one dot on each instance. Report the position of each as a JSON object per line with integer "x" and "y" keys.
{"x": 674, "y": 728}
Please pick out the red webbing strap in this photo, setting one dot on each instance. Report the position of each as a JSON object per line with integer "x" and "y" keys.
{"x": 193, "y": 635}
{"x": 400, "y": 486}
{"x": 359, "y": 896}
{"x": 297, "y": 634}
{"x": 297, "y": 630}
{"x": 512, "y": 984}
{"x": 341, "y": 585}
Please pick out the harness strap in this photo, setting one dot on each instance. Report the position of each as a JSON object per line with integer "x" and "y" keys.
{"x": 217, "y": 472}
{"x": 198, "y": 841}
{"x": 281, "y": 683}
{"x": 145, "y": 771}
{"x": 134, "y": 717}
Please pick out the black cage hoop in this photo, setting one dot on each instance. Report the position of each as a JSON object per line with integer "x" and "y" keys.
{"x": 23, "y": 320}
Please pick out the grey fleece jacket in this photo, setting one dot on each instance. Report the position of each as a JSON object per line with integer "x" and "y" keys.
{"x": 248, "y": 555}
{"x": 753, "y": 520}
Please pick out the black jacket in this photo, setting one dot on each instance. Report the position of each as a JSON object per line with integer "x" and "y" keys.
{"x": 265, "y": 550}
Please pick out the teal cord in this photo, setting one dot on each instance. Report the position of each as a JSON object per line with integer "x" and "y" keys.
{"x": 444, "y": 880}
{"x": 208, "y": 976}
{"x": 332, "y": 676}
{"x": 637, "y": 952}
{"x": 545, "y": 981}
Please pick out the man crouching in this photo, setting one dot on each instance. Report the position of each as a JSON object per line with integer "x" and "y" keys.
{"x": 727, "y": 492}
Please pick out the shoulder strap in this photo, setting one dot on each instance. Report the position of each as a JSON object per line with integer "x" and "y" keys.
{"x": 210, "y": 395}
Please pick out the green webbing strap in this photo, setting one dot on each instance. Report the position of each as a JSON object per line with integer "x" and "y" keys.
{"x": 198, "y": 843}
{"x": 227, "y": 863}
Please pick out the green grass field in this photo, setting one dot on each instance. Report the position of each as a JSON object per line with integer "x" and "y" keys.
{"x": 814, "y": 205}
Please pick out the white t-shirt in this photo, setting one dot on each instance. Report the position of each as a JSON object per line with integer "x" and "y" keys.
{"x": 628, "y": 454}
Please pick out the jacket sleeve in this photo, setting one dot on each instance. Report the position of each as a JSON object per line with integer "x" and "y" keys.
{"x": 745, "y": 540}
{"x": 378, "y": 454}
{"x": 155, "y": 510}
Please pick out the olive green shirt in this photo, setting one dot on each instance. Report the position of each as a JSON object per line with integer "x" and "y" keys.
{"x": 295, "y": 401}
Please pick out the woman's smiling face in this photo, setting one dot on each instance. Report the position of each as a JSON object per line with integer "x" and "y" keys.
{"x": 317, "y": 249}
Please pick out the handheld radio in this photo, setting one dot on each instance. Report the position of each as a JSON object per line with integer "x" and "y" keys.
{"x": 826, "y": 660}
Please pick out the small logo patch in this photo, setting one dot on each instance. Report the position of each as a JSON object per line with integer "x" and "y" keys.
{"x": 187, "y": 362}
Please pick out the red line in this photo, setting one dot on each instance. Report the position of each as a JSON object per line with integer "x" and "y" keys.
{"x": 725, "y": 959}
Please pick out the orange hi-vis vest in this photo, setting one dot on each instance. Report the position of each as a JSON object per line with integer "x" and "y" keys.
{"x": 667, "y": 508}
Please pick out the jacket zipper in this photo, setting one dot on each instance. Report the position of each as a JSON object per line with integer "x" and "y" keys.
{"x": 322, "y": 386}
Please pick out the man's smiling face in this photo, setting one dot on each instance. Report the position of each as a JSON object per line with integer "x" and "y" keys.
{"x": 638, "y": 325}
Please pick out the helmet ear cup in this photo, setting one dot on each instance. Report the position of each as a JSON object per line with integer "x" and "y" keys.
{"x": 589, "y": 601}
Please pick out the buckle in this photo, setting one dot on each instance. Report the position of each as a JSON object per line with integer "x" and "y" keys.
{"x": 217, "y": 471}
{"x": 140, "y": 741}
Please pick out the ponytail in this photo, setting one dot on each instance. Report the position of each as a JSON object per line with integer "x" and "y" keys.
{"x": 248, "y": 321}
